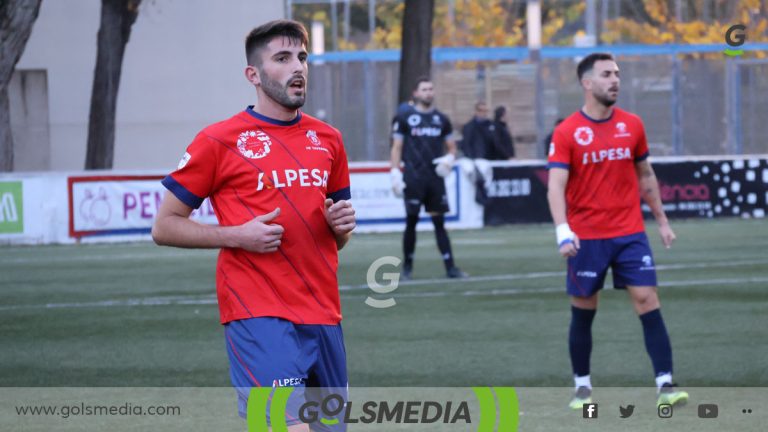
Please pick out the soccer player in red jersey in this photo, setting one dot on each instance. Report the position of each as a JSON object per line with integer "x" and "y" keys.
{"x": 598, "y": 170}
{"x": 278, "y": 181}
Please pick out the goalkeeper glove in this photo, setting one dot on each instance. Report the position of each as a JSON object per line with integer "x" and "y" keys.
{"x": 398, "y": 185}
{"x": 444, "y": 164}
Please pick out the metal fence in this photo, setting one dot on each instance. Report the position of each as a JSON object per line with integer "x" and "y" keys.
{"x": 692, "y": 103}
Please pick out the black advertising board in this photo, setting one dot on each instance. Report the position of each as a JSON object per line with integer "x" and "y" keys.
{"x": 689, "y": 189}
{"x": 713, "y": 188}
{"x": 517, "y": 194}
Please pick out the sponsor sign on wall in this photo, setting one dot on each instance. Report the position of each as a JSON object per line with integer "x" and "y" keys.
{"x": 375, "y": 203}
{"x": 713, "y": 188}
{"x": 119, "y": 205}
{"x": 689, "y": 189}
{"x": 516, "y": 194}
{"x": 11, "y": 207}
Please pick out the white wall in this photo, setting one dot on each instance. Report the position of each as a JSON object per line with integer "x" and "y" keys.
{"x": 97, "y": 208}
{"x": 183, "y": 69}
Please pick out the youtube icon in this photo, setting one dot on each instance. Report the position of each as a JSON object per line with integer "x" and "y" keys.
{"x": 707, "y": 411}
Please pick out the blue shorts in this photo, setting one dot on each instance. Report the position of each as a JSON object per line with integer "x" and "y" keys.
{"x": 629, "y": 258}
{"x": 272, "y": 352}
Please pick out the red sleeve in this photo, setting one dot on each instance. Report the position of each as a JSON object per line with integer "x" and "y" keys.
{"x": 641, "y": 150}
{"x": 338, "y": 181}
{"x": 559, "y": 151}
{"x": 195, "y": 177}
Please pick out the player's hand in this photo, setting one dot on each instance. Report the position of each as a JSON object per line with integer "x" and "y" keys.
{"x": 570, "y": 248}
{"x": 340, "y": 216}
{"x": 398, "y": 185}
{"x": 667, "y": 235}
{"x": 567, "y": 240}
{"x": 259, "y": 235}
{"x": 444, "y": 164}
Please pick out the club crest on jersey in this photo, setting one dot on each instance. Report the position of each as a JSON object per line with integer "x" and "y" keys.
{"x": 414, "y": 120}
{"x": 436, "y": 119}
{"x": 254, "y": 144}
{"x": 584, "y": 135}
{"x": 312, "y": 135}
{"x": 621, "y": 130}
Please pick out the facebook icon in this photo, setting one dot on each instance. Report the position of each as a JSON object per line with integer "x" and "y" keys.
{"x": 589, "y": 411}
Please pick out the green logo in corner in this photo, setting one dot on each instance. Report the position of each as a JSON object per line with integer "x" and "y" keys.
{"x": 499, "y": 410}
{"x": 735, "y": 38}
{"x": 11, "y": 208}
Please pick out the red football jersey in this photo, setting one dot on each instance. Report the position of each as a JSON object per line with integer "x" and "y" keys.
{"x": 602, "y": 195}
{"x": 248, "y": 165}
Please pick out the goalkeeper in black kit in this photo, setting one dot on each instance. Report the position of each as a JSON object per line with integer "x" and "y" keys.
{"x": 422, "y": 141}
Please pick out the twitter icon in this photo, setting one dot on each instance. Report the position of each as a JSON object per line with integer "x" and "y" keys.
{"x": 626, "y": 412}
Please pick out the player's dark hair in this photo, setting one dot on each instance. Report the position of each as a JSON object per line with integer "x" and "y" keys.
{"x": 419, "y": 80}
{"x": 262, "y": 35}
{"x": 588, "y": 63}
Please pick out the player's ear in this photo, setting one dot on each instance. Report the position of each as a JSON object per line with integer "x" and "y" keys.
{"x": 252, "y": 75}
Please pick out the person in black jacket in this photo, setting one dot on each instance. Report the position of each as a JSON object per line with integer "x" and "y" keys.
{"x": 502, "y": 147}
{"x": 477, "y": 134}
{"x": 548, "y": 139}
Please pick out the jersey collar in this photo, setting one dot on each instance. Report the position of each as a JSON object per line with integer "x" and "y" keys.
{"x": 270, "y": 120}
{"x": 598, "y": 121}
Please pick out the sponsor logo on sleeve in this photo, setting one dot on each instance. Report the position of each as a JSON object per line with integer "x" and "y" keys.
{"x": 184, "y": 160}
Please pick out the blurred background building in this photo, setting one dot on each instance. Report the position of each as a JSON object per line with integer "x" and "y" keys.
{"x": 183, "y": 69}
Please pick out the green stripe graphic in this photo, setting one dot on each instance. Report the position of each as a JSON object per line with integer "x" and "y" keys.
{"x": 256, "y": 411}
{"x": 509, "y": 409}
{"x": 277, "y": 410}
{"x": 487, "y": 409}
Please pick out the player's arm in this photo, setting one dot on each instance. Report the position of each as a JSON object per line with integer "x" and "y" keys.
{"x": 649, "y": 191}
{"x": 567, "y": 241}
{"x": 444, "y": 164}
{"x": 396, "y": 156}
{"x": 341, "y": 218}
{"x": 451, "y": 147}
{"x": 173, "y": 227}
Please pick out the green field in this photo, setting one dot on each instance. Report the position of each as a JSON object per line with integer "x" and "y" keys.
{"x": 142, "y": 315}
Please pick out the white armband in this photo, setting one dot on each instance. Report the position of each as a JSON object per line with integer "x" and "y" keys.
{"x": 564, "y": 234}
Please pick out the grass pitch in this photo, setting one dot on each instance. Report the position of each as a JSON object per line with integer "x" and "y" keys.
{"x": 141, "y": 315}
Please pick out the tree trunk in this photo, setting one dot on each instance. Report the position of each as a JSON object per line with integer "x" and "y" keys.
{"x": 16, "y": 20}
{"x": 117, "y": 18}
{"x": 637, "y": 10}
{"x": 416, "y": 51}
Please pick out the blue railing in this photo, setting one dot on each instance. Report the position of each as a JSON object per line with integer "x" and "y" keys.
{"x": 442, "y": 55}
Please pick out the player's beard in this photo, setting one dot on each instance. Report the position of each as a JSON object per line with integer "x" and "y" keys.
{"x": 426, "y": 102}
{"x": 604, "y": 99}
{"x": 279, "y": 92}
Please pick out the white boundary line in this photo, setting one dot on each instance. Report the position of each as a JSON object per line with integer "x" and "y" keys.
{"x": 539, "y": 275}
{"x": 211, "y": 299}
